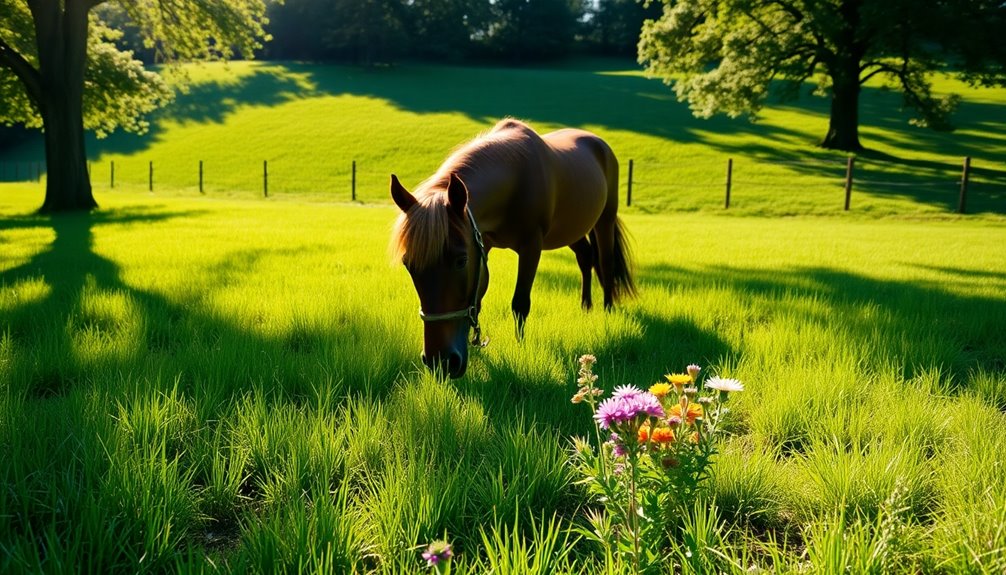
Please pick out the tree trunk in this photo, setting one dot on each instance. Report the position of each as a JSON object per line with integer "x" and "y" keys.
{"x": 62, "y": 47}
{"x": 843, "y": 66}
{"x": 843, "y": 126}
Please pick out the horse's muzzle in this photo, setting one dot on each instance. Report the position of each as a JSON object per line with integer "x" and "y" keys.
{"x": 451, "y": 363}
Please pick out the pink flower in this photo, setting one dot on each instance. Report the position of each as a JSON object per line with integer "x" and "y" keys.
{"x": 632, "y": 403}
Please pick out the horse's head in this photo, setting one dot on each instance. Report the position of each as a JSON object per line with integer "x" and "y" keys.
{"x": 437, "y": 240}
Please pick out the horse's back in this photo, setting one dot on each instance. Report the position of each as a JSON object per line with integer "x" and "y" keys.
{"x": 584, "y": 168}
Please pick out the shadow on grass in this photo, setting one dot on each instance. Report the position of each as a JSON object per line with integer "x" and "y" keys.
{"x": 921, "y": 326}
{"x": 208, "y": 352}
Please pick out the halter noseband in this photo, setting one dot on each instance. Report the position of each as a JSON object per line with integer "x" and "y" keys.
{"x": 471, "y": 313}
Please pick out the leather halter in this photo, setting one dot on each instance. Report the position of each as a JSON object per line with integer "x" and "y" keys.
{"x": 471, "y": 313}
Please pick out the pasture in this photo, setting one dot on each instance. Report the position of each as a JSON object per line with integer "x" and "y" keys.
{"x": 201, "y": 385}
{"x": 222, "y": 383}
{"x": 310, "y": 123}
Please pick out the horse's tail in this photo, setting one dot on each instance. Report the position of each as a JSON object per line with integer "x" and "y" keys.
{"x": 623, "y": 284}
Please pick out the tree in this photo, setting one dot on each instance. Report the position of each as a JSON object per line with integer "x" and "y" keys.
{"x": 60, "y": 70}
{"x": 522, "y": 30}
{"x": 721, "y": 55}
{"x": 615, "y": 25}
{"x": 445, "y": 30}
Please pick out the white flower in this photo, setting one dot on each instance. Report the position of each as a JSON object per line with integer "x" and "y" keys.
{"x": 724, "y": 384}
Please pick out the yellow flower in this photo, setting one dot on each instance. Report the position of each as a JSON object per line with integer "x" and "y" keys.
{"x": 660, "y": 389}
{"x": 694, "y": 412}
{"x": 678, "y": 378}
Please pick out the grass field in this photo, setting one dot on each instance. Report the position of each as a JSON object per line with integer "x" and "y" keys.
{"x": 220, "y": 383}
{"x": 310, "y": 123}
{"x": 223, "y": 385}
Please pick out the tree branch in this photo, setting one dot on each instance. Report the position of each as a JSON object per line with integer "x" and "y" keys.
{"x": 22, "y": 68}
{"x": 880, "y": 68}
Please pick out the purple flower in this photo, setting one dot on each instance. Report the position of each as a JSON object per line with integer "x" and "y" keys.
{"x": 436, "y": 552}
{"x": 611, "y": 411}
{"x": 623, "y": 408}
{"x": 647, "y": 404}
{"x": 626, "y": 391}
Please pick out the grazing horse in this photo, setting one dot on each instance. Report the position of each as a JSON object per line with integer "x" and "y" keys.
{"x": 508, "y": 188}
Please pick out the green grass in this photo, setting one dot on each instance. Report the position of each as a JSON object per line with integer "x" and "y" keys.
{"x": 224, "y": 385}
{"x": 310, "y": 123}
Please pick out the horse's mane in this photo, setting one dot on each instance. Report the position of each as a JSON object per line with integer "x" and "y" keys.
{"x": 419, "y": 235}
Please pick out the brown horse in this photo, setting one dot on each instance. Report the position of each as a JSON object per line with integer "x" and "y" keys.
{"x": 509, "y": 188}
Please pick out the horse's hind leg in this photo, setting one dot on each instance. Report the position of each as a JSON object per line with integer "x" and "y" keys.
{"x": 603, "y": 237}
{"x": 585, "y": 259}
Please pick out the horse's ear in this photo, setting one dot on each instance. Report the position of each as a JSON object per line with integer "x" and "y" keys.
{"x": 457, "y": 195}
{"x": 402, "y": 197}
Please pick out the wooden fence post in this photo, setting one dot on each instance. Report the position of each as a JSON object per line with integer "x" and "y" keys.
{"x": 353, "y": 184}
{"x": 150, "y": 177}
{"x": 201, "y": 177}
{"x": 265, "y": 178}
{"x": 849, "y": 165}
{"x": 730, "y": 178}
{"x": 628, "y": 191}
{"x": 962, "y": 202}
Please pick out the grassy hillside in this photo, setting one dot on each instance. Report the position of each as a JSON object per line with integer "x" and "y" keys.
{"x": 218, "y": 385}
{"x": 311, "y": 122}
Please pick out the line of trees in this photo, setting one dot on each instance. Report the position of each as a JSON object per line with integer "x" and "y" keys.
{"x": 387, "y": 31}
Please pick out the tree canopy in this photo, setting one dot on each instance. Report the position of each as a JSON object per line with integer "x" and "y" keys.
{"x": 723, "y": 55}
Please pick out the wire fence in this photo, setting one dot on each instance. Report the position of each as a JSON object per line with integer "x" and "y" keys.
{"x": 648, "y": 180}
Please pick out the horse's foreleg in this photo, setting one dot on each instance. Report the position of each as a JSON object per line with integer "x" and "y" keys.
{"x": 585, "y": 260}
{"x": 527, "y": 267}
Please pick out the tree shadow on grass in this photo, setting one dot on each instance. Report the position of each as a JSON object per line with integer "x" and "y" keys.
{"x": 922, "y": 326}
{"x": 173, "y": 329}
{"x": 57, "y": 358}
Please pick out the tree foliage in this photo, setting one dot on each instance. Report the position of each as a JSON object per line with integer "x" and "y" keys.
{"x": 722, "y": 55}
{"x": 382, "y": 31}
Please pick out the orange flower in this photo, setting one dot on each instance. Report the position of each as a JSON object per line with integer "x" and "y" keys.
{"x": 644, "y": 433}
{"x": 663, "y": 435}
{"x": 694, "y": 412}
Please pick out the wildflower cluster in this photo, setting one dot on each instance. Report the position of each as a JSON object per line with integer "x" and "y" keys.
{"x": 654, "y": 450}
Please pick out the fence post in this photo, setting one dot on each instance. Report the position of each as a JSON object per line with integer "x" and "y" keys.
{"x": 353, "y": 188}
{"x": 628, "y": 191}
{"x": 265, "y": 178}
{"x": 730, "y": 179}
{"x": 962, "y": 202}
{"x": 201, "y": 177}
{"x": 150, "y": 177}
{"x": 111, "y": 174}
{"x": 849, "y": 165}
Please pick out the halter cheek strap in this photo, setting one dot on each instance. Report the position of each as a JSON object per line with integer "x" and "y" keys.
{"x": 471, "y": 313}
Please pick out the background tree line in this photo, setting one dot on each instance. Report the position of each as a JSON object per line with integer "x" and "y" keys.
{"x": 388, "y": 31}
